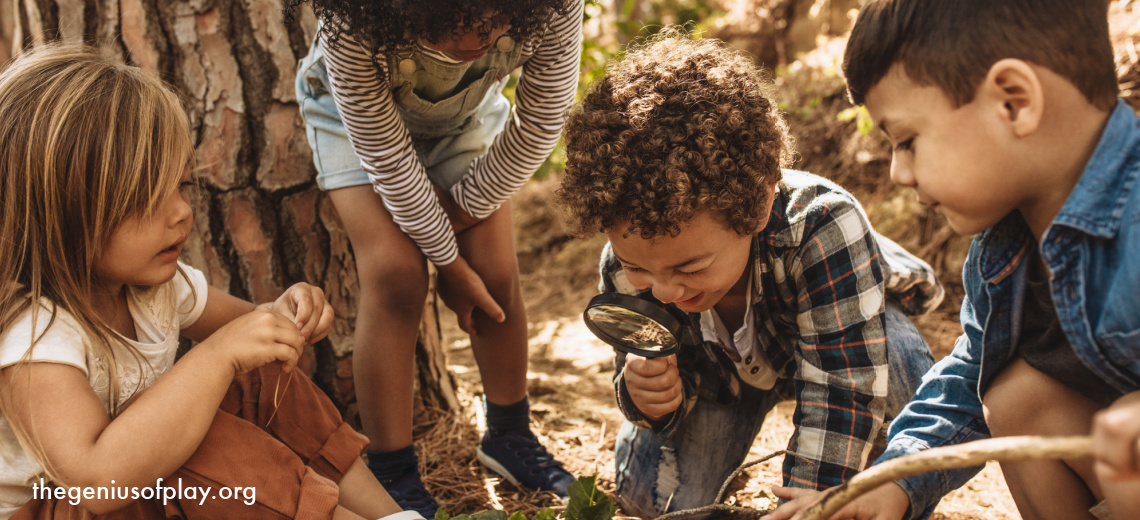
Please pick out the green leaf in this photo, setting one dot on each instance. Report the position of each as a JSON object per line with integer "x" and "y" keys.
{"x": 517, "y": 516}
{"x": 545, "y": 514}
{"x": 599, "y": 511}
{"x": 587, "y": 503}
{"x": 493, "y": 514}
{"x": 442, "y": 514}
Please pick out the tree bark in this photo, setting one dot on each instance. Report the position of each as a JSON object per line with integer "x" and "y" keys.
{"x": 260, "y": 222}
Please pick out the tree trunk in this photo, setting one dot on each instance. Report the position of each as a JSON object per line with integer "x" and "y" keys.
{"x": 260, "y": 222}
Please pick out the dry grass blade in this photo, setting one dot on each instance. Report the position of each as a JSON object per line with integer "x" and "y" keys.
{"x": 949, "y": 457}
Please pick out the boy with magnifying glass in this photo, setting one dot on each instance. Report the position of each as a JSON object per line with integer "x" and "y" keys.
{"x": 676, "y": 155}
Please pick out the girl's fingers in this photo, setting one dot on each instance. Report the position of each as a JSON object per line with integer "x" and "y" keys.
{"x": 491, "y": 307}
{"x": 303, "y": 301}
{"x": 466, "y": 324}
{"x": 324, "y": 325}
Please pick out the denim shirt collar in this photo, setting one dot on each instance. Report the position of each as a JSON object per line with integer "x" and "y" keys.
{"x": 1095, "y": 207}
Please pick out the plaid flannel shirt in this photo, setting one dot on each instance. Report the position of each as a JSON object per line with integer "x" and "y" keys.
{"x": 822, "y": 277}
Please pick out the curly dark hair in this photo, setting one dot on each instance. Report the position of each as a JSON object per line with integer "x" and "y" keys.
{"x": 387, "y": 24}
{"x": 675, "y": 127}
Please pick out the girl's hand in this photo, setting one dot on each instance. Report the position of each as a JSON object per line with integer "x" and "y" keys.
{"x": 463, "y": 291}
{"x": 654, "y": 384}
{"x": 886, "y": 502}
{"x": 307, "y": 307}
{"x": 259, "y": 337}
{"x": 1116, "y": 440}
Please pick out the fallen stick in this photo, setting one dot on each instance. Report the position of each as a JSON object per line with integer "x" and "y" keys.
{"x": 949, "y": 457}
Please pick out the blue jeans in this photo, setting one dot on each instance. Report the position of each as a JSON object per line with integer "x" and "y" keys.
{"x": 687, "y": 470}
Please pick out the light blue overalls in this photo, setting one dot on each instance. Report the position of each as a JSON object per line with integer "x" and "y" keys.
{"x": 453, "y": 111}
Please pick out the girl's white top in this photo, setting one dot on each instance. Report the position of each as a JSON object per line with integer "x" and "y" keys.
{"x": 159, "y": 313}
{"x": 543, "y": 98}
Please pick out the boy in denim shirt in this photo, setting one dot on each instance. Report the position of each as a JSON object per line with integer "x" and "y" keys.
{"x": 676, "y": 155}
{"x": 1004, "y": 117}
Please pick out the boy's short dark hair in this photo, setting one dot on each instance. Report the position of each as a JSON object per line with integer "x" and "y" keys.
{"x": 951, "y": 44}
{"x": 675, "y": 127}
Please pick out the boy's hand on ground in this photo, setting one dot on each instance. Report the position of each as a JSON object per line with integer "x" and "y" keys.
{"x": 463, "y": 291}
{"x": 460, "y": 220}
{"x": 654, "y": 384}
{"x": 1116, "y": 439}
{"x": 308, "y": 308}
{"x": 259, "y": 337}
{"x": 886, "y": 502}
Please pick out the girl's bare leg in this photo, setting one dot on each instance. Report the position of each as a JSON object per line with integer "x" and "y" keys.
{"x": 1024, "y": 401}
{"x": 362, "y": 494}
{"x": 500, "y": 348}
{"x": 393, "y": 288}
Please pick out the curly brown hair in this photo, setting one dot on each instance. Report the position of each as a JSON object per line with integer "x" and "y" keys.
{"x": 387, "y": 24}
{"x": 675, "y": 127}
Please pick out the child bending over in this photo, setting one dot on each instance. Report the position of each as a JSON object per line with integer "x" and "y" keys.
{"x": 420, "y": 152}
{"x": 95, "y": 162}
{"x": 676, "y": 156}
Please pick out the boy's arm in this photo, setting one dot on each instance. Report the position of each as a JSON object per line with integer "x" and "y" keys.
{"x": 836, "y": 283}
{"x": 945, "y": 410}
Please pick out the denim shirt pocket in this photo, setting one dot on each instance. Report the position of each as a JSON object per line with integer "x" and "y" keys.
{"x": 1122, "y": 349}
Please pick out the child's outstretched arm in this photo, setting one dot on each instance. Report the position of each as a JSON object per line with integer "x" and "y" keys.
{"x": 303, "y": 303}
{"x": 161, "y": 429}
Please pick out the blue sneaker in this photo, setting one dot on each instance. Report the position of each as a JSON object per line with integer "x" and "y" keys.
{"x": 521, "y": 459}
{"x": 409, "y": 492}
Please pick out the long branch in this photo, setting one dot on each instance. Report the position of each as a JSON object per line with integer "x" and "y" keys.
{"x": 949, "y": 457}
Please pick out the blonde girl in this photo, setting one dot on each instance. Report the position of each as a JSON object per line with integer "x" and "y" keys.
{"x": 95, "y": 166}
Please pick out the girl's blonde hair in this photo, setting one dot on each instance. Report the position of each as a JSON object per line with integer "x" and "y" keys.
{"x": 85, "y": 143}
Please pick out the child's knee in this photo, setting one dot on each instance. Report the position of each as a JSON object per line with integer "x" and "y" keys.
{"x": 399, "y": 283}
{"x": 1007, "y": 399}
{"x": 1023, "y": 401}
{"x": 504, "y": 286}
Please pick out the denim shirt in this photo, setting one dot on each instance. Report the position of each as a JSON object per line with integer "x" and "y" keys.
{"x": 1092, "y": 249}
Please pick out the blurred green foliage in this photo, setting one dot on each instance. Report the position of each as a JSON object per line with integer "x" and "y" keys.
{"x": 605, "y": 33}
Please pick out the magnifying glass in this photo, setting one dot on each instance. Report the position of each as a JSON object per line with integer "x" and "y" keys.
{"x": 637, "y": 326}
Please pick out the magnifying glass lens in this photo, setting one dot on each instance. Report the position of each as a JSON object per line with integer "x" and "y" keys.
{"x": 632, "y": 330}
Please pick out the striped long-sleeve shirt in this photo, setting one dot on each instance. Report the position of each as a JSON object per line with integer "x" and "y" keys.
{"x": 543, "y": 98}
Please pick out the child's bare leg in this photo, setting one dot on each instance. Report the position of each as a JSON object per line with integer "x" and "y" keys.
{"x": 1024, "y": 401}
{"x": 362, "y": 494}
{"x": 393, "y": 288}
{"x": 489, "y": 248}
{"x": 508, "y": 446}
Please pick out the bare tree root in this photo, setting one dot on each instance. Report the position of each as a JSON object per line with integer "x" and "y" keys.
{"x": 949, "y": 457}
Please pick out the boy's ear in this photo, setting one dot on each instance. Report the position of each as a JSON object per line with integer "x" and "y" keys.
{"x": 771, "y": 192}
{"x": 1013, "y": 88}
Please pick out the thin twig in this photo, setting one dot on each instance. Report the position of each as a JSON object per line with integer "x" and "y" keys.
{"x": 728, "y": 481}
{"x": 685, "y": 513}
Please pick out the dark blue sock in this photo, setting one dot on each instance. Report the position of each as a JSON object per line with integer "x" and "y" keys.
{"x": 508, "y": 418}
{"x": 387, "y": 465}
